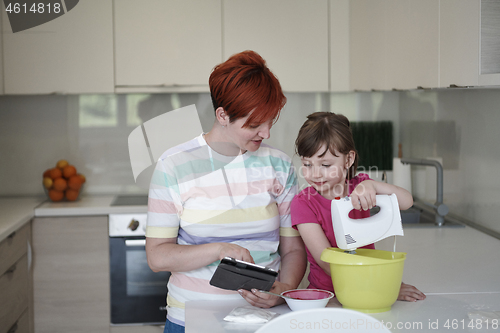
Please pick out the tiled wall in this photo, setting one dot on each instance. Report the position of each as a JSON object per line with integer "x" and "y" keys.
{"x": 459, "y": 126}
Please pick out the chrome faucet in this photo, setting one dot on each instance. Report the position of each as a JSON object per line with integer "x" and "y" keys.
{"x": 439, "y": 207}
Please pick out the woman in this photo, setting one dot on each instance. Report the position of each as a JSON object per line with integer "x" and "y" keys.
{"x": 225, "y": 193}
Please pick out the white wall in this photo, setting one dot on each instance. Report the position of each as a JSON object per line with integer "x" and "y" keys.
{"x": 460, "y": 126}
{"x": 91, "y": 132}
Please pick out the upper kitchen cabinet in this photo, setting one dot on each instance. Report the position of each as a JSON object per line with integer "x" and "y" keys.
{"x": 470, "y": 42}
{"x": 490, "y": 43}
{"x": 394, "y": 44}
{"x": 459, "y": 42}
{"x": 339, "y": 46}
{"x": 166, "y": 45}
{"x": 70, "y": 54}
{"x": 291, "y": 35}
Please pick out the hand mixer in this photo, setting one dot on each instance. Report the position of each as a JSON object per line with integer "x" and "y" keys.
{"x": 351, "y": 234}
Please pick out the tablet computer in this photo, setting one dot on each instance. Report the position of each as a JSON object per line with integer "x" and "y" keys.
{"x": 234, "y": 274}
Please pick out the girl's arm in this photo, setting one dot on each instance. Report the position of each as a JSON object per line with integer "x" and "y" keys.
{"x": 363, "y": 196}
{"x": 315, "y": 240}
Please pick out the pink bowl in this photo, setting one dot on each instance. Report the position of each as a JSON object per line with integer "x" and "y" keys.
{"x": 307, "y": 298}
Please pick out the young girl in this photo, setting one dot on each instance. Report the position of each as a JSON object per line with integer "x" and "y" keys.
{"x": 329, "y": 162}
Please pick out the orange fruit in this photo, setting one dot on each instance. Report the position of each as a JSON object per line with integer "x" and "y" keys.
{"x": 46, "y": 173}
{"x": 68, "y": 171}
{"x": 47, "y": 182}
{"x": 71, "y": 194}
{"x": 83, "y": 177}
{"x": 60, "y": 184}
{"x": 55, "y": 195}
{"x": 55, "y": 173}
{"x": 61, "y": 164}
{"x": 75, "y": 182}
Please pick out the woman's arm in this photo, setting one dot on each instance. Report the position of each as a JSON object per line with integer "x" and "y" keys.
{"x": 363, "y": 196}
{"x": 293, "y": 267}
{"x": 164, "y": 254}
{"x": 293, "y": 262}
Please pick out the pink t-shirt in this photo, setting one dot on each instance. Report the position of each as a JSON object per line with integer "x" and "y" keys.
{"x": 310, "y": 207}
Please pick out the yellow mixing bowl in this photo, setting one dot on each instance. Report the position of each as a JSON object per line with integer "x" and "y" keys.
{"x": 368, "y": 281}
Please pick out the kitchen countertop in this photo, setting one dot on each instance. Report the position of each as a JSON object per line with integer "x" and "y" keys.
{"x": 87, "y": 205}
{"x": 17, "y": 211}
{"x": 457, "y": 268}
{"x": 437, "y": 313}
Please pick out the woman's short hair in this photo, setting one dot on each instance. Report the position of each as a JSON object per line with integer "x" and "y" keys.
{"x": 243, "y": 84}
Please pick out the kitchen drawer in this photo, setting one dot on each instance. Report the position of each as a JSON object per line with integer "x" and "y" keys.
{"x": 13, "y": 294}
{"x": 13, "y": 248}
{"x": 21, "y": 325}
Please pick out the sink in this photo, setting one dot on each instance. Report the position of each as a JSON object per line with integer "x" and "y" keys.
{"x": 417, "y": 217}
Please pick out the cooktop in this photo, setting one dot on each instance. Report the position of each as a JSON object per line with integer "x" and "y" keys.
{"x": 130, "y": 200}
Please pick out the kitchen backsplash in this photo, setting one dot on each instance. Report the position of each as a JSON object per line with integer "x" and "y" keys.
{"x": 458, "y": 126}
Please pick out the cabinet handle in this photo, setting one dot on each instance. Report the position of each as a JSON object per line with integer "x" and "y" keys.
{"x": 13, "y": 328}
{"x": 11, "y": 270}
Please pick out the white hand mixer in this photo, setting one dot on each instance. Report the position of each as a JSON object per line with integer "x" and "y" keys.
{"x": 351, "y": 234}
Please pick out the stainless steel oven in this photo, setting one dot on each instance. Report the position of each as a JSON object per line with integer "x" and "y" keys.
{"x": 138, "y": 295}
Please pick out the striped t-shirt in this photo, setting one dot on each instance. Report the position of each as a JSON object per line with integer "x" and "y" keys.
{"x": 200, "y": 196}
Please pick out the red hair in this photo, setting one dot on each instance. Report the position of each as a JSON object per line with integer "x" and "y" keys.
{"x": 244, "y": 83}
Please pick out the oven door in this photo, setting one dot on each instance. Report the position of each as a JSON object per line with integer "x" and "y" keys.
{"x": 138, "y": 295}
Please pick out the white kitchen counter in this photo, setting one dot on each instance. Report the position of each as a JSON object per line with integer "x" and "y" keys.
{"x": 87, "y": 206}
{"x": 457, "y": 268}
{"x": 16, "y": 211}
{"x": 437, "y": 313}
{"x": 449, "y": 260}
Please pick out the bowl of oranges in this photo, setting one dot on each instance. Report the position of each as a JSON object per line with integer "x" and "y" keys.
{"x": 63, "y": 182}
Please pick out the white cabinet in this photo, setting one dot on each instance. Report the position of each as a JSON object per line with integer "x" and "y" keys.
{"x": 170, "y": 44}
{"x": 15, "y": 282}
{"x": 394, "y": 44}
{"x": 70, "y": 54}
{"x": 406, "y": 44}
{"x": 459, "y": 42}
{"x": 71, "y": 274}
{"x": 469, "y": 43}
{"x": 291, "y": 35}
{"x": 489, "y": 43}
{"x": 339, "y": 46}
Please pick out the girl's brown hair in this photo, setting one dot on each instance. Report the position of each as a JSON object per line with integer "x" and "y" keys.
{"x": 330, "y": 129}
{"x": 244, "y": 83}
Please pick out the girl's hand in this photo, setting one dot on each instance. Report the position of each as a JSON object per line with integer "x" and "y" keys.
{"x": 263, "y": 300}
{"x": 363, "y": 195}
{"x": 410, "y": 293}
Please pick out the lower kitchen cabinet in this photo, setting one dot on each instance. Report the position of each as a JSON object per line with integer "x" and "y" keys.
{"x": 15, "y": 283}
{"x": 71, "y": 274}
{"x": 136, "y": 329}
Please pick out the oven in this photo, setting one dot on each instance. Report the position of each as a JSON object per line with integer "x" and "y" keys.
{"x": 138, "y": 295}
